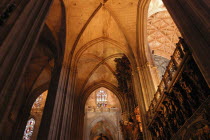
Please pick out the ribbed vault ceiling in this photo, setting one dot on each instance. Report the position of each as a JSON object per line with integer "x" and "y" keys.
{"x": 98, "y": 31}
{"x": 162, "y": 34}
{"x": 155, "y": 6}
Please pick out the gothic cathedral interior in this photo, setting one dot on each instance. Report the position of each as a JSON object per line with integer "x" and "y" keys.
{"x": 104, "y": 70}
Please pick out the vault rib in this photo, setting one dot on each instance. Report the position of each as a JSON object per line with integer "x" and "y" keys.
{"x": 98, "y": 65}
{"x": 84, "y": 27}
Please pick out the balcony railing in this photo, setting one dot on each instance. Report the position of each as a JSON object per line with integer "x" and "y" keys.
{"x": 181, "y": 93}
{"x": 175, "y": 64}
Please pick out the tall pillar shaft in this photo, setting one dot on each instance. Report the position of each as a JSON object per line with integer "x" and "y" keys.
{"x": 16, "y": 50}
{"x": 58, "y": 113}
{"x": 141, "y": 103}
{"x": 147, "y": 84}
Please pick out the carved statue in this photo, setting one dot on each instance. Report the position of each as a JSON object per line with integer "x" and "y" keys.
{"x": 190, "y": 92}
{"x": 182, "y": 97}
{"x": 160, "y": 127}
{"x": 153, "y": 132}
{"x": 123, "y": 74}
{"x": 123, "y": 130}
{"x": 131, "y": 130}
{"x": 175, "y": 107}
{"x": 193, "y": 74}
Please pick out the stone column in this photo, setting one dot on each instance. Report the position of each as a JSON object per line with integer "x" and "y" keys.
{"x": 192, "y": 18}
{"x": 54, "y": 103}
{"x": 77, "y": 124}
{"x": 15, "y": 52}
{"x": 141, "y": 103}
{"x": 58, "y": 112}
{"x": 81, "y": 131}
{"x": 147, "y": 84}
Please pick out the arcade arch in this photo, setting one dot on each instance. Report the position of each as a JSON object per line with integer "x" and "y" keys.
{"x": 97, "y": 115}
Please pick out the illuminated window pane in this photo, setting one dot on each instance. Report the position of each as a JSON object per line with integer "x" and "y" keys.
{"x": 29, "y": 129}
{"x": 101, "y": 98}
{"x": 37, "y": 103}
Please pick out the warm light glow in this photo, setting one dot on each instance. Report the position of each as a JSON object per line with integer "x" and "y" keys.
{"x": 155, "y": 6}
{"x": 37, "y": 103}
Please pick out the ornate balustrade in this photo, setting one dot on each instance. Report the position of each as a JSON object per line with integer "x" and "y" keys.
{"x": 181, "y": 92}
{"x": 175, "y": 64}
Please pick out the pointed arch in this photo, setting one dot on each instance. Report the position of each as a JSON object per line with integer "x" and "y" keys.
{"x": 86, "y": 93}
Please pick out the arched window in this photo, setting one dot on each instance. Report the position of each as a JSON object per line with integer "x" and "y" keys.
{"x": 29, "y": 129}
{"x": 101, "y": 98}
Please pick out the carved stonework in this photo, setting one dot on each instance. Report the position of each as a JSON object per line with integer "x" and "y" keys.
{"x": 131, "y": 129}
{"x": 183, "y": 112}
{"x": 124, "y": 77}
{"x": 123, "y": 74}
{"x": 198, "y": 126}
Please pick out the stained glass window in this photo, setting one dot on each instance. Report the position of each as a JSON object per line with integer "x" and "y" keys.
{"x": 29, "y": 129}
{"x": 101, "y": 98}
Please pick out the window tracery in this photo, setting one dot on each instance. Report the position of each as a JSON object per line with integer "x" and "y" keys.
{"x": 101, "y": 98}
